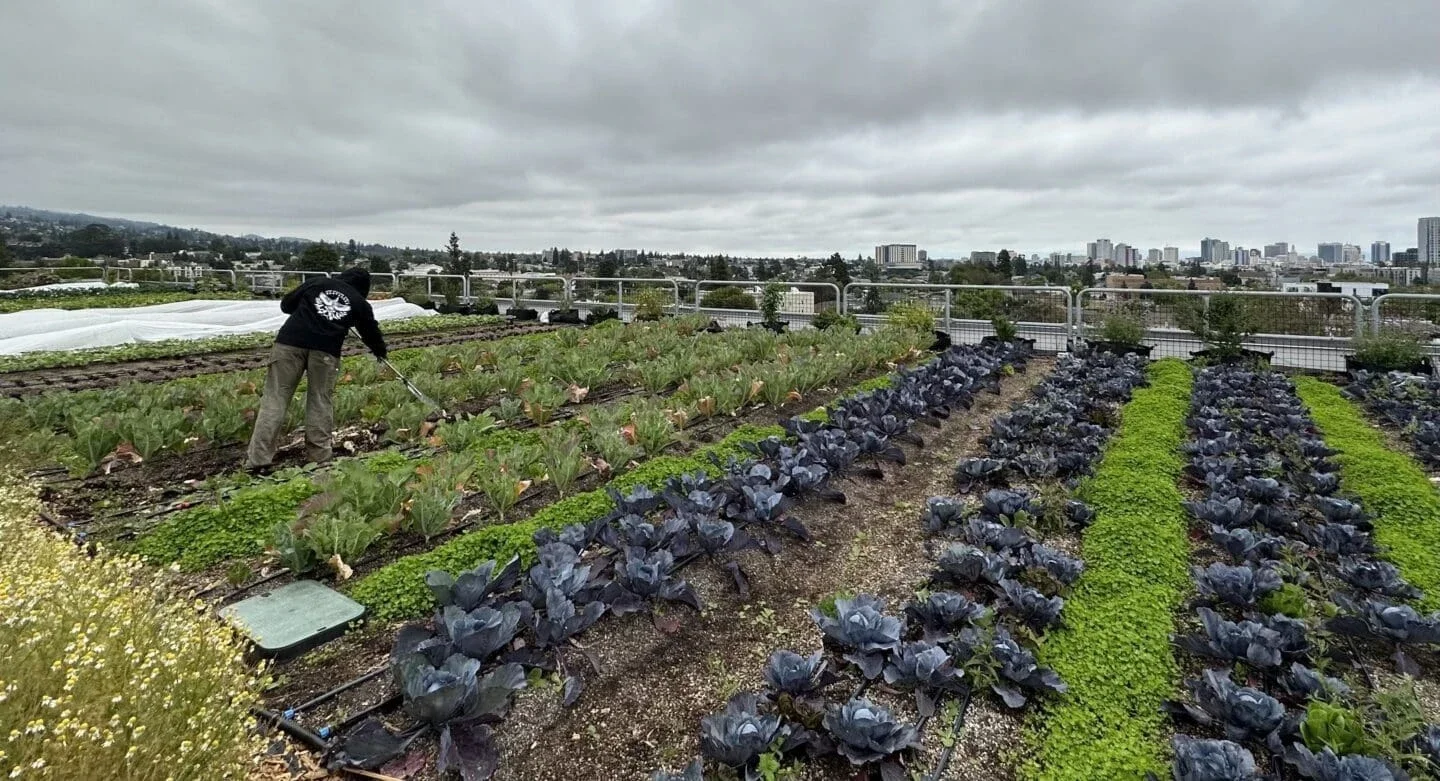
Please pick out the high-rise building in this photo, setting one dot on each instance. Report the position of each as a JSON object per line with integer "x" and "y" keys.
{"x": 1428, "y": 246}
{"x": 1277, "y": 250}
{"x": 1153, "y": 257}
{"x": 1126, "y": 255}
{"x": 1214, "y": 251}
{"x": 896, "y": 256}
{"x": 1331, "y": 252}
{"x": 1171, "y": 256}
{"x": 924, "y": 256}
{"x": 1240, "y": 257}
{"x": 1210, "y": 249}
{"x": 1380, "y": 252}
{"x": 1351, "y": 254}
{"x": 1102, "y": 250}
{"x": 1409, "y": 257}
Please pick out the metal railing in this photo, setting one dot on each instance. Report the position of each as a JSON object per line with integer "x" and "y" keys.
{"x": 732, "y": 316}
{"x": 1416, "y": 315}
{"x": 965, "y": 312}
{"x": 1301, "y": 330}
{"x": 619, "y": 282}
{"x": 279, "y": 276}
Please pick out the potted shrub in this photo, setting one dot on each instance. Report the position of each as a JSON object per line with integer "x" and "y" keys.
{"x": 523, "y": 314}
{"x": 828, "y": 318}
{"x": 770, "y": 300}
{"x": 1223, "y": 326}
{"x": 1392, "y": 351}
{"x": 649, "y": 305}
{"x": 484, "y": 306}
{"x": 1006, "y": 332}
{"x": 565, "y": 313}
{"x": 1121, "y": 334}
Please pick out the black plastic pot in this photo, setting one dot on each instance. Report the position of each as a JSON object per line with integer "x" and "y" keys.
{"x": 455, "y": 309}
{"x": 523, "y": 314}
{"x": 941, "y": 344}
{"x": 776, "y": 327}
{"x": 565, "y": 316}
{"x": 1029, "y": 343}
{"x": 600, "y": 315}
{"x": 1419, "y": 367}
{"x": 1244, "y": 356}
{"x": 1121, "y": 348}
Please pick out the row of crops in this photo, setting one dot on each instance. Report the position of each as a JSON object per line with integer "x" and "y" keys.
{"x": 1207, "y": 574}
{"x": 523, "y": 379}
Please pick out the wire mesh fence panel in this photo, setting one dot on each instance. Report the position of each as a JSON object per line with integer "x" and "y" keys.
{"x": 1410, "y": 316}
{"x": 1299, "y": 330}
{"x": 968, "y": 312}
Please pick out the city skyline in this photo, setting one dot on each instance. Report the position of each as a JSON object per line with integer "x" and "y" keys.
{"x": 748, "y": 128}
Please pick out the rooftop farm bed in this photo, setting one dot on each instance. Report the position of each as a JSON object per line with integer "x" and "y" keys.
{"x": 987, "y": 565}
{"x": 766, "y": 524}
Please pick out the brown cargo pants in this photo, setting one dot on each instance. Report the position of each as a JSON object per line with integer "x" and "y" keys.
{"x": 285, "y": 368}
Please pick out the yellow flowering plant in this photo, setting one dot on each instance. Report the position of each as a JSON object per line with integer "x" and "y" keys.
{"x": 105, "y": 672}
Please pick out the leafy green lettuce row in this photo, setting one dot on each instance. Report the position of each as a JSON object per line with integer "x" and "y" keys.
{"x": 1114, "y": 651}
{"x": 1391, "y": 485}
{"x": 398, "y": 590}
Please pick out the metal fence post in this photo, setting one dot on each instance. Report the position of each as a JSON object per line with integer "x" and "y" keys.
{"x": 948, "y": 295}
{"x": 620, "y": 299}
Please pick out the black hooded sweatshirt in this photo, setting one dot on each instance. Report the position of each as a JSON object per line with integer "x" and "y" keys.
{"x": 323, "y": 310}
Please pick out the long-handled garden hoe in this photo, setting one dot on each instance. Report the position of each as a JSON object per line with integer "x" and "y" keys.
{"x": 410, "y": 386}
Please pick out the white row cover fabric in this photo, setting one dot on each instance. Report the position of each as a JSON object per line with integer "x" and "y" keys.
{"x": 86, "y": 284}
{"x": 58, "y": 329}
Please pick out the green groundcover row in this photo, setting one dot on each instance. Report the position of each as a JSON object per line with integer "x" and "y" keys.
{"x": 1389, "y": 484}
{"x": 1114, "y": 652}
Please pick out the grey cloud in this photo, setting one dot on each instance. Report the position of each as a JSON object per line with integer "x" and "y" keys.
{"x": 747, "y": 126}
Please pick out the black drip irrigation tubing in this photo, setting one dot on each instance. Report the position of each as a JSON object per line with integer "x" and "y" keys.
{"x": 955, "y": 728}
{"x": 315, "y": 741}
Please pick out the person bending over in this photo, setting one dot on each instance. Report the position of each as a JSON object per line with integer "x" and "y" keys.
{"x": 322, "y": 311}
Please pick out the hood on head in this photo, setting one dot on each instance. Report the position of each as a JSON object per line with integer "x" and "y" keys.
{"x": 357, "y": 278}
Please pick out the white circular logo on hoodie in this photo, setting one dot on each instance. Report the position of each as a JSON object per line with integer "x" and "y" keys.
{"x": 332, "y": 305}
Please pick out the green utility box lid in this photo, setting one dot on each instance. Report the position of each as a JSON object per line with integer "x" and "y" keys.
{"x": 294, "y": 618}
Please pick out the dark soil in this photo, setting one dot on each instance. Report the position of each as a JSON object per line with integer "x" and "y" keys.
{"x": 108, "y": 375}
{"x": 643, "y": 710}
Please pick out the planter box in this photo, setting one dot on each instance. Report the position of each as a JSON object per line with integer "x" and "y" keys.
{"x": 1120, "y": 348}
{"x": 523, "y": 315}
{"x": 1420, "y": 367}
{"x": 565, "y": 316}
{"x": 1245, "y": 356}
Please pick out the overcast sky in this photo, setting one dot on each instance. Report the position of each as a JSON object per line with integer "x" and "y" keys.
{"x": 745, "y": 126}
